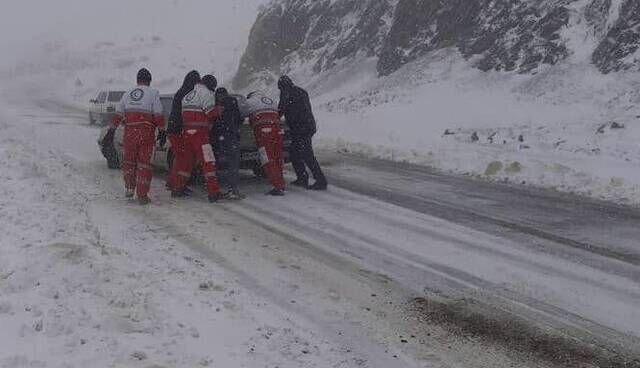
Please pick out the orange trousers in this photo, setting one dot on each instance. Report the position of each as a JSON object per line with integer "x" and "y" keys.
{"x": 197, "y": 151}
{"x": 270, "y": 141}
{"x": 139, "y": 142}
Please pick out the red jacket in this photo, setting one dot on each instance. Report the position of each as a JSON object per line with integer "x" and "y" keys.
{"x": 199, "y": 109}
{"x": 141, "y": 106}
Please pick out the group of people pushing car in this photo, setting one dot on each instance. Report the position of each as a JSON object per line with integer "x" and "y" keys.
{"x": 203, "y": 130}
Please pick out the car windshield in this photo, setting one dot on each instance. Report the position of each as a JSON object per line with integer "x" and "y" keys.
{"x": 115, "y": 96}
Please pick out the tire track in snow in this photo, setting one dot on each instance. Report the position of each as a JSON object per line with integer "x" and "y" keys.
{"x": 350, "y": 239}
{"x": 459, "y": 214}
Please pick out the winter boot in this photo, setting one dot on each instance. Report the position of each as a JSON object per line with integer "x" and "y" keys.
{"x": 301, "y": 182}
{"x": 143, "y": 201}
{"x": 319, "y": 185}
{"x": 180, "y": 193}
{"x": 275, "y": 192}
{"x": 234, "y": 195}
{"x": 214, "y": 198}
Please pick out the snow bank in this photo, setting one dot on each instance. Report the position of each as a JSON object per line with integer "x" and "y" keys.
{"x": 569, "y": 127}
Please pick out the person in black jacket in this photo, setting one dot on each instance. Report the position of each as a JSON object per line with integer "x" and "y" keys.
{"x": 226, "y": 142}
{"x": 174, "y": 129}
{"x": 296, "y": 109}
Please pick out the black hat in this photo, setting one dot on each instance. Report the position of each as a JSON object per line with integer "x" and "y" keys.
{"x": 210, "y": 82}
{"x": 285, "y": 82}
{"x": 144, "y": 76}
{"x": 191, "y": 79}
{"x": 221, "y": 93}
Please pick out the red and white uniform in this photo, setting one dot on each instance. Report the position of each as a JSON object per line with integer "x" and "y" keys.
{"x": 265, "y": 121}
{"x": 198, "y": 114}
{"x": 140, "y": 110}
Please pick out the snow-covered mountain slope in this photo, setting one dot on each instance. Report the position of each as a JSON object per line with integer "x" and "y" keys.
{"x": 619, "y": 49}
{"x": 517, "y": 90}
{"x": 503, "y": 35}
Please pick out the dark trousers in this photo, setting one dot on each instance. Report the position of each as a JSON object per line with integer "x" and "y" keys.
{"x": 302, "y": 157}
{"x": 227, "y": 150}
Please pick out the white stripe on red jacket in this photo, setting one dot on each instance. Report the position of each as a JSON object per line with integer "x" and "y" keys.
{"x": 140, "y": 106}
{"x": 199, "y": 108}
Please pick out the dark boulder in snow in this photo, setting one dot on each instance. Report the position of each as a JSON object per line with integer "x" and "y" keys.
{"x": 139, "y": 355}
{"x": 616, "y": 125}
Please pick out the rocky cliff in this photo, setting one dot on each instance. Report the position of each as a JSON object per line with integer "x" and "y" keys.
{"x": 502, "y": 35}
{"x": 618, "y": 48}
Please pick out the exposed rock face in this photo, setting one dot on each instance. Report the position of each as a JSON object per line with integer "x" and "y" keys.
{"x": 506, "y": 34}
{"x": 277, "y": 32}
{"x": 618, "y": 50}
{"x": 596, "y": 14}
{"x": 502, "y": 35}
{"x": 317, "y": 32}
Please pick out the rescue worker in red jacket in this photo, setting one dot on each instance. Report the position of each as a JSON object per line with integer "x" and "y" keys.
{"x": 264, "y": 118}
{"x": 199, "y": 112}
{"x": 140, "y": 110}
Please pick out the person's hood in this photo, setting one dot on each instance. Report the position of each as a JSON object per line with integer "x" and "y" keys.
{"x": 190, "y": 80}
{"x": 285, "y": 83}
{"x": 221, "y": 93}
{"x": 211, "y": 82}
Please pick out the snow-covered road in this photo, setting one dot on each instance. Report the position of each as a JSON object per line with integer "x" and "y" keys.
{"x": 394, "y": 266}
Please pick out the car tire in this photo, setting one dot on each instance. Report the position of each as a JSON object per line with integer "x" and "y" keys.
{"x": 111, "y": 154}
{"x": 258, "y": 171}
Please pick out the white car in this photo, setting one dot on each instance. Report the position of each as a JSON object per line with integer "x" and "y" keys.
{"x": 103, "y": 106}
{"x": 163, "y": 156}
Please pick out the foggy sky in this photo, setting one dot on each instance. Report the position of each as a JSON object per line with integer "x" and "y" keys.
{"x": 25, "y": 24}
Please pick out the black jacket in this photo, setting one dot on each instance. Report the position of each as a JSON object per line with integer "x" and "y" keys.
{"x": 296, "y": 108}
{"x": 175, "y": 118}
{"x": 228, "y": 126}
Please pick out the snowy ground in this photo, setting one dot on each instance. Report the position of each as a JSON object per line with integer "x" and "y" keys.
{"x": 322, "y": 280}
{"x": 87, "y": 278}
{"x": 550, "y": 130}
{"x": 314, "y": 280}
